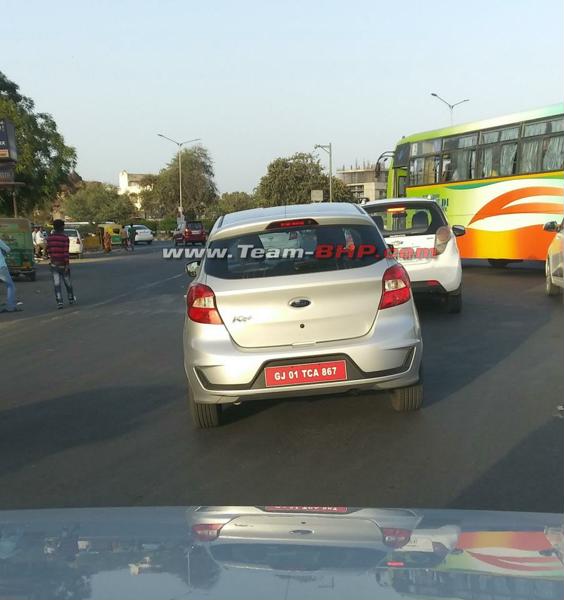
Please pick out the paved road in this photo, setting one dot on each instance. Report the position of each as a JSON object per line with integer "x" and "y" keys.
{"x": 92, "y": 409}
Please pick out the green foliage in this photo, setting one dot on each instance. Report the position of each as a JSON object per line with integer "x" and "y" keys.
{"x": 44, "y": 160}
{"x": 291, "y": 180}
{"x": 98, "y": 202}
{"x": 199, "y": 192}
{"x": 233, "y": 201}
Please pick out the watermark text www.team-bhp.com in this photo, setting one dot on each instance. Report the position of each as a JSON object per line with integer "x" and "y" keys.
{"x": 322, "y": 251}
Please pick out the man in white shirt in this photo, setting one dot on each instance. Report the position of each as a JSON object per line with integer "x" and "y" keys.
{"x": 6, "y": 278}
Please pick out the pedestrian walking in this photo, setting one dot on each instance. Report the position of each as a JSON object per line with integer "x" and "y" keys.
{"x": 132, "y": 236}
{"x": 41, "y": 243}
{"x": 123, "y": 235}
{"x": 107, "y": 241}
{"x": 6, "y": 278}
{"x": 58, "y": 248}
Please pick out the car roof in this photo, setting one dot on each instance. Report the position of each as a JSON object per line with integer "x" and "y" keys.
{"x": 255, "y": 218}
{"x": 411, "y": 200}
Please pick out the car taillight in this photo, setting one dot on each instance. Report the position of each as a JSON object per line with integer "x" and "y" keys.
{"x": 207, "y": 532}
{"x": 442, "y": 238}
{"x": 200, "y": 304}
{"x": 396, "y": 538}
{"x": 395, "y": 563}
{"x": 396, "y": 288}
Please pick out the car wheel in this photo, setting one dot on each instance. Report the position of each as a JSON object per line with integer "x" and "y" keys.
{"x": 204, "y": 416}
{"x": 453, "y": 303}
{"x": 550, "y": 288}
{"x": 498, "y": 263}
{"x": 408, "y": 399}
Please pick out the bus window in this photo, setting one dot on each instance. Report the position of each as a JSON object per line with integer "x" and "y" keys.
{"x": 459, "y": 165}
{"x": 557, "y": 125}
{"x": 530, "y": 156}
{"x": 424, "y": 170}
{"x": 426, "y": 147}
{"x": 507, "y": 160}
{"x": 401, "y": 186}
{"x": 401, "y": 156}
{"x": 509, "y": 133}
{"x": 553, "y": 153}
{"x": 416, "y": 171}
{"x": 489, "y": 161}
{"x": 463, "y": 141}
{"x": 535, "y": 129}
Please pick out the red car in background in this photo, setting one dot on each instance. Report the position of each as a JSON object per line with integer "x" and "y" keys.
{"x": 193, "y": 233}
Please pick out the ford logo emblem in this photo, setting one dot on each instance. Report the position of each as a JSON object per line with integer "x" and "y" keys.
{"x": 299, "y": 302}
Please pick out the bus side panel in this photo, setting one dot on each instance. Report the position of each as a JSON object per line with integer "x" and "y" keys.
{"x": 504, "y": 217}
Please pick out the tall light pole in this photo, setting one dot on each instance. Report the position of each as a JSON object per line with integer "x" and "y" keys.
{"x": 450, "y": 106}
{"x": 179, "y": 144}
{"x": 329, "y": 149}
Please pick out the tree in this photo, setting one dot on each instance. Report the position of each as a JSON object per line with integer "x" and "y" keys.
{"x": 199, "y": 192}
{"x": 234, "y": 201}
{"x": 44, "y": 160}
{"x": 291, "y": 180}
{"x": 97, "y": 202}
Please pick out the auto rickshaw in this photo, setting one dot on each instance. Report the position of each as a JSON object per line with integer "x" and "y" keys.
{"x": 17, "y": 234}
{"x": 113, "y": 229}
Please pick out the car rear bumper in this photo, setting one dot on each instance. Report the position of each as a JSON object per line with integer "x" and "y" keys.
{"x": 447, "y": 273}
{"x": 218, "y": 371}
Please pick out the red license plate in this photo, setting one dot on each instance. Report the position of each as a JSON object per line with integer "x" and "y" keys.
{"x": 309, "y": 509}
{"x": 335, "y": 370}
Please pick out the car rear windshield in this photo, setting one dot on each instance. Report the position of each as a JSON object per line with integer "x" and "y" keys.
{"x": 194, "y": 225}
{"x": 298, "y": 557}
{"x": 407, "y": 219}
{"x": 292, "y": 251}
{"x": 71, "y": 232}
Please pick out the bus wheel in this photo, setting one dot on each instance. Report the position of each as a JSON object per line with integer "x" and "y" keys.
{"x": 498, "y": 263}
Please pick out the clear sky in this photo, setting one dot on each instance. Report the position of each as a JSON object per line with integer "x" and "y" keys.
{"x": 261, "y": 79}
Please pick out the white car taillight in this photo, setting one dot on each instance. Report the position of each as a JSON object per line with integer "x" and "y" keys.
{"x": 442, "y": 238}
{"x": 200, "y": 304}
{"x": 396, "y": 287}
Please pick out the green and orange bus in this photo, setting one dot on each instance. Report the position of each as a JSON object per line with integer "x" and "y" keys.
{"x": 501, "y": 178}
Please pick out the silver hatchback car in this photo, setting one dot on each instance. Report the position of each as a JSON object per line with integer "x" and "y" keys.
{"x": 298, "y": 300}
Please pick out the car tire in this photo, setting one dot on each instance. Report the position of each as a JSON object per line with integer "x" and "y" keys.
{"x": 204, "y": 416}
{"x": 453, "y": 303}
{"x": 550, "y": 289}
{"x": 408, "y": 399}
{"x": 498, "y": 263}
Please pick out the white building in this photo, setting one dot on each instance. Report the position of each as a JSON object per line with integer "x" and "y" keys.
{"x": 130, "y": 183}
{"x": 363, "y": 182}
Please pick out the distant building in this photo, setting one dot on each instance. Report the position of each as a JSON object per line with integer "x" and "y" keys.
{"x": 131, "y": 183}
{"x": 362, "y": 181}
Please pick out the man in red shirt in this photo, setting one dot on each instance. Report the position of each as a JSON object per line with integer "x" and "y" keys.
{"x": 58, "y": 250}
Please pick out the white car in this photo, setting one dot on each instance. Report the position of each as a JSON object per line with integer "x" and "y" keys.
{"x": 144, "y": 234}
{"x": 420, "y": 238}
{"x": 554, "y": 266}
{"x": 76, "y": 245}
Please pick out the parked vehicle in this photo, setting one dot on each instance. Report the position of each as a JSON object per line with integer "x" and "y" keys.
{"x": 17, "y": 234}
{"x": 299, "y": 324}
{"x": 424, "y": 243}
{"x": 554, "y": 260}
{"x": 193, "y": 233}
{"x": 114, "y": 230}
{"x": 144, "y": 234}
{"x": 76, "y": 245}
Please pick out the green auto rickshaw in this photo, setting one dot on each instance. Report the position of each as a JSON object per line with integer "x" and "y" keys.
{"x": 17, "y": 234}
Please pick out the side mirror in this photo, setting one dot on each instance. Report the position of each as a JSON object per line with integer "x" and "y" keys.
{"x": 551, "y": 226}
{"x": 192, "y": 269}
{"x": 458, "y": 230}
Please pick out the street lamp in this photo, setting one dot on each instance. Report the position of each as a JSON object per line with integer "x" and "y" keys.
{"x": 450, "y": 106}
{"x": 179, "y": 144}
{"x": 329, "y": 149}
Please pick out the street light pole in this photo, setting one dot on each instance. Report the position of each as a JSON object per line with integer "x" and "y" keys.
{"x": 450, "y": 106}
{"x": 329, "y": 149}
{"x": 179, "y": 144}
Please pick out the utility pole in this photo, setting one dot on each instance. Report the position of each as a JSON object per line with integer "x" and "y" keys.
{"x": 329, "y": 149}
{"x": 179, "y": 144}
{"x": 450, "y": 106}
